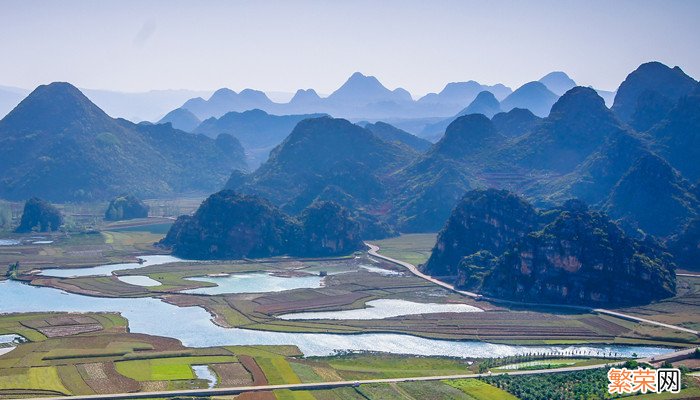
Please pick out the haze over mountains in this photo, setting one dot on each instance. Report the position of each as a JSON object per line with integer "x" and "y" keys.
{"x": 58, "y": 145}
{"x": 364, "y": 97}
{"x": 136, "y": 106}
{"x": 537, "y": 194}
{"x": 580, "y": 150}
{"x": 360, "y": 97}
{"x": 390, "y": 178}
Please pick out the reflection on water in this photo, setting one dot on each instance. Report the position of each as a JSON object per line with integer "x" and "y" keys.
{"x": 255, "y": 282}
{"x": 139, "y": 280}
{"x": 106, "y": 270}
{"x": 384, "y": 308}
{"x": 193, "y": 326}
{"x": 204, "y": 372}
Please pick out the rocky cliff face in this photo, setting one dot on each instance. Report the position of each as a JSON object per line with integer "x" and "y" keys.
{"x": 498, "y": 245}
{"x": 229, "y": 226}
{"x": 328, "y": 230}
{"x": 484, "y": 220}
{"x": 39, "y": 215}
{"x": 581, "y": 258}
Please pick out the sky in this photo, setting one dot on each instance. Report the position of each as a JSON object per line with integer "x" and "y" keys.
{"x": 286, "y": 45}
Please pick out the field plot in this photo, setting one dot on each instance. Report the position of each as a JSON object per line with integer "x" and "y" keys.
{"x": 414, "y": 248}
{"x": 378, "y": 366}
{"x": 480, "y": 390}
{"x": 65, "y": 358}
{"x": 78, "y": 249}
{"x": 683, "y": 309}
{"x": 110, "y": 360}
{"x": 352, "y": 290}
{"x": 168, "y": 368}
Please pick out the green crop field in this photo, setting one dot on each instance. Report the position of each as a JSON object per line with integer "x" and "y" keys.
{"x": 293, "y": 395}
{"x": 166, "y": 369}
{"x": 414, "y": 248}
{"x": 371, "y": 366}
{"x": 36, "y": 378}
{"x": 272, "y": 360}
{"x": 480, "y": 390}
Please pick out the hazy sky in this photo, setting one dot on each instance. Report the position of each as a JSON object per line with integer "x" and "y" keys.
{"x": 285, "y": 45}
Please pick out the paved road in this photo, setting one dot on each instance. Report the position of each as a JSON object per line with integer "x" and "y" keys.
{"x": 373, "y": 251}
{"x": 644, "y": 320}
{"x": 332, "y": 385}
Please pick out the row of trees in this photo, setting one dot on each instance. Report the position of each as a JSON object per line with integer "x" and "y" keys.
{"x": 489, "y": 363}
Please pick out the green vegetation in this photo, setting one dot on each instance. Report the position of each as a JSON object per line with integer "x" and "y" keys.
{"x": 500, "y": 246}
{"x": 40, "y": 216}
{"x": 287, "y": 394}
{"x": 32, "y": 379}
{"x": 126, "y": 207}
{"x": 414, "y": 248}
{"x": 70, "y": 250}
{"x": 229, "y": 225}
{"x": 167, "y": 369}
{"x": 480, "y": 390}
{"x": 272, "y": 360}
{"x": 375, "y": 366}
{"x": 60, "y": 126}
{"x": 12, "y": 270}
{"x": 579, "y": 384}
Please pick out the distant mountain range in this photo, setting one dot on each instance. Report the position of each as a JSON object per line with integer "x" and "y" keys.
{"x": 57, "y": 145}
{"x": 361, "y": 97}
{"x": 258, "y": 131}
{"x": 134, "y": 106}
{"x": 536, "y": 97}
{"x": 580, "y": 150}
{"x": 364, "y": 97}
{"x": 645, "y": 148}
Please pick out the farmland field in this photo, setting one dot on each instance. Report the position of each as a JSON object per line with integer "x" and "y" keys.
{"x": 414, "y": 248}
{"x": 94, "y": 353}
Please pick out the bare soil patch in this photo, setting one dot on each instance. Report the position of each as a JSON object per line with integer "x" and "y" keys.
{"x": 253, "y": 368}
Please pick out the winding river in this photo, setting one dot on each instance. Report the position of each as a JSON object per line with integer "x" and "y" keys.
{"x": 193, "y": 326}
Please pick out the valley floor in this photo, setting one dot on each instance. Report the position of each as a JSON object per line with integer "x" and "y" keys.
{"x": 95, "y": 353}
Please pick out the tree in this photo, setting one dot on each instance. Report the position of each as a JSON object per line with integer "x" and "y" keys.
{"x": 12, "y": 270}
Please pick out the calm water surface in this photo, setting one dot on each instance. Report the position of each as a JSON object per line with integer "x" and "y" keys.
{"x": 384, "y": 308}
{"x": 254, "y": 282}
{"x": 193, "y": 326}
{"x": 139, "y": 280}
{"x": 106, "y": 270}
{"x": 204, "y": 372}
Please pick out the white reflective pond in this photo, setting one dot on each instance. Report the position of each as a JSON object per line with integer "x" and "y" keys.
{"x": 106, "y": 270}
{"x": 385, "y": 308}
{"x": 193, "y": 326}
{"x": 139, "y": 280}
{"x": 254, "y": 282}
